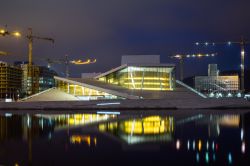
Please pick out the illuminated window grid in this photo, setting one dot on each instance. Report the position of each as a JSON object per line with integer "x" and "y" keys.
{"x": 141, "y": 78}
{"x": 77, "y": 90}
{"x": 81, "y": 119}
{"x": 150, "y": 125}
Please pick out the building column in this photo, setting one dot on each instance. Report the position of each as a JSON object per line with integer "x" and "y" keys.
{"x": 74, "y": 90}
{"x": 68, "y": 88}
{"x": 170, "y": 81}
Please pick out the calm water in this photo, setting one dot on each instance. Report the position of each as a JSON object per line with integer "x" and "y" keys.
{"x": 117, "y": 139}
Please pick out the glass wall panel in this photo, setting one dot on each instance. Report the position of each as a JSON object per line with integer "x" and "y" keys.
{"x": 83, "y": 93}
{"x": 143, "y": 78}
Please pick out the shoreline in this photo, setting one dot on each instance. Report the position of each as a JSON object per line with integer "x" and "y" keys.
{"x": 142, "y": 104}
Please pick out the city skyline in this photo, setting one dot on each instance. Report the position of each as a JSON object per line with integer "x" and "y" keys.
{"x": 108, "y": 30}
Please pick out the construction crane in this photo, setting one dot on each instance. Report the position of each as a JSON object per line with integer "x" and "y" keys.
{"x": 30, "y": 71}
{"x": 5, "y": 32}
{"x": 181, "y": 58}
{"x": 66, "y": 62}
{"x": 4, "y": 53}
{"x": 242, "y": 44}
{"x": 30, "y": 38}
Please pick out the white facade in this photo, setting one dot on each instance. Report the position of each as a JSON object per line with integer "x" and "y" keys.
{"x": 140, "y": 59}
{"x": 89, "y": 75}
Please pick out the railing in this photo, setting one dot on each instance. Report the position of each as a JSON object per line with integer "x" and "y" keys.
{"x": 191, "y": 89}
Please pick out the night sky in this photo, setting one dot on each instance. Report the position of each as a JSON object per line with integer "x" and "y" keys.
{"x": 108, "y": 29}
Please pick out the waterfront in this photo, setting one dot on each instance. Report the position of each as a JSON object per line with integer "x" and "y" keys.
{"x": 126, "y": 138}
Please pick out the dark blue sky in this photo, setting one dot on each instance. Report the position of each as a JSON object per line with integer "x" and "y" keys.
{"x": 107, "y": 29}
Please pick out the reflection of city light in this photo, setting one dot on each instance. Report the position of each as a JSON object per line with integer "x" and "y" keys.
{"x": 213, "y": 145}
{"x": 199, "y": 145}
{"x": 230, "y": 120}
{"x": 138, "y": 130}
{"x": 207, "y": 157}
{"x": 230, "y": 160}
{"x": 78, "y": 139}
{"x": 28, "y": 121}
{"x": 178, "y": 144}
{"x": 8, "y": 114}
{"x": 149, "y": 125}
{"x": 193, "y": 144}
{"x": 241, "y": 134}
{"x": 207, "y": 145}
{"x": 214, "y": 157}
{"x": 243, "y": 147}
{"x": 95, "y": 141}
{"x": 188, "y": 145}
{"x": 218, "y": 129}
{"x": 81, "y": 119}
{"x": 197, "y": 157}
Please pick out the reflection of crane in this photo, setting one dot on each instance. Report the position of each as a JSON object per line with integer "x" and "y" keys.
{"x": 66, "y": 62}
{"x": 182, "y": 57}
{"x": 242, "y": 44}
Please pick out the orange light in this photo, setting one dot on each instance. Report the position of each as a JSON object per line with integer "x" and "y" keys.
{"x": 199, "y": 145}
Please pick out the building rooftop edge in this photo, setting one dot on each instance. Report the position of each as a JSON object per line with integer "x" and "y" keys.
{"x": 136, "y": 65}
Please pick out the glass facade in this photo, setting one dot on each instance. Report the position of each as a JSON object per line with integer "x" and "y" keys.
{"x": 143, "y": 78}
{"x": 83, "y": 93}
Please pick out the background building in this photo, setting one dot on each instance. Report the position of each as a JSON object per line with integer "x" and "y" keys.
{"x": 46, "y": 78}
{"x": 30, "y": 82}
{"x": 212, "y": 70}
{"x": 10, "y": 81}
{"x": 214, "y": 85}
{"x": 42, "y": 78}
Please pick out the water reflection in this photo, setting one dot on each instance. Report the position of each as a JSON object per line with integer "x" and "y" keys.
{"x": 224, "y": 134}
{"x": 147, "y": 129}
{"x": 87, "y": 139}
{"x": 197, "y": 139}
{"x": 16, "y": 126}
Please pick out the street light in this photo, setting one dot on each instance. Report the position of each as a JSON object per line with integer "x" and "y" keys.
{"x": 16, "y": 34}
{"x": 4, "y": 32}
{"x": 3, "y": 53}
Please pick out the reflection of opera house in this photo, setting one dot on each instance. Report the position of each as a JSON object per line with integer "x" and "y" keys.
{"x": 147, "y": 129}
{"x": 137, "y": 77}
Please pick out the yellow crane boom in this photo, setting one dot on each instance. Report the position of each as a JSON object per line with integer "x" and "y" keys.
{"x": 181, "y": 58}
{"x": 30, "y": 38}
